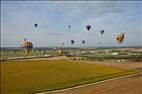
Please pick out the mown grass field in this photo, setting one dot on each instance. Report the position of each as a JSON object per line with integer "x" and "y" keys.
{"x": 28, "y": 77}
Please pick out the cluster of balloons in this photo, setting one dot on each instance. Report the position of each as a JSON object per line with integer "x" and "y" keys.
{"x": 88, "y": 27}
{"x": 28, "y": 45}
{"x": 72, "y": 42}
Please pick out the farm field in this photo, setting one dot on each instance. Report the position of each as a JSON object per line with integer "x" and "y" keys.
{"x": 70, "y": 47}
{"x": 126, "y": 85}
{"x": 28, "y": 77}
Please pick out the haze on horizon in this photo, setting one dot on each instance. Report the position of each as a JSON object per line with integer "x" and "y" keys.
{"x": 53, "y": 17}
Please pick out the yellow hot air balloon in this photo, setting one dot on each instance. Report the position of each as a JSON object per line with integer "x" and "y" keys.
{"x": 120, "y": 38}
{"x": 28, "y": 46}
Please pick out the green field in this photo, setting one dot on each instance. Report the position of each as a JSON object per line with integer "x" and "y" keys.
{"x": 19, "y": 53}
{"x": 98, "y": 54}
{"x": 28, "y": 77}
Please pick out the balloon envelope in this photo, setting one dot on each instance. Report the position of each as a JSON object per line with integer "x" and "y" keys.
{"x": 28, "y": 46}
{"x": 120, "y": 38}
{"x": 35, "y": 25}
{"x": 62, "y": 43}
{"x": 88, "y": 27}
{"x": 72, "y": 41}
{"x": 25, "y": 39}
{"x": 83, "y": 41}
{"x": 102, "y": 31}
{"x": 69, "y": 26}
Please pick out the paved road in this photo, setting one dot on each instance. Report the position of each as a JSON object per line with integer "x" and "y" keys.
{"x": 129, "y": 85}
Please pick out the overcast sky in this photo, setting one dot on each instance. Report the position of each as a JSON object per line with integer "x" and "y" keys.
{"x": 53, "y": 17}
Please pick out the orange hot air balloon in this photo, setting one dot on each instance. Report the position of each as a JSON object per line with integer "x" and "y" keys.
{"x": 28, "y": 46}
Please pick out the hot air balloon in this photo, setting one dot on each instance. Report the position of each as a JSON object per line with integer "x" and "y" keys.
{"x": 62, "y": 43}
{"x": 83, "y": 41}
{"x": 25, "y": 39}
{"x": 88, "y": 27}
{"x": 69, "y": 26}
{"x": 72, "y": 41}
{"x": 102, "y": 32}
{"x": 36, "y": 25}
{"x": 27, "y": 45}
{"x": 120, "y": 38}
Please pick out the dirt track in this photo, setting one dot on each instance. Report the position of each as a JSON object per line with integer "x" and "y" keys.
{"x": 129, "y": 85}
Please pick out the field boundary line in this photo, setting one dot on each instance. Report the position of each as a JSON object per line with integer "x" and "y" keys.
{"x": 95, "y": 83}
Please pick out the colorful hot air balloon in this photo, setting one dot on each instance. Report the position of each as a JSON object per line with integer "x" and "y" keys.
{"x": 83, "y": 41}
{"x": 102, "y": 32}
{"x": 28, "y": 46}
{"x": 72, "y": 41}
{"x": 88, "y": 27}
{"x": 120, "y": 38}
